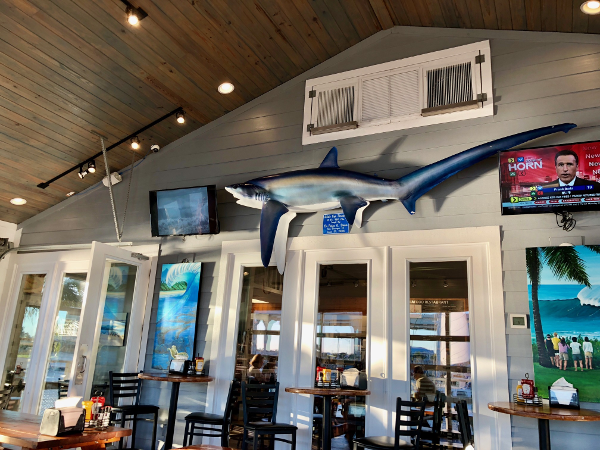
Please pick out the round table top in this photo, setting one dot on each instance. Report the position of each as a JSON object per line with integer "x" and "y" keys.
{"x": 332, "y": 392}
{"x": 175, "y": 377}
{"x": 545, "y": 412}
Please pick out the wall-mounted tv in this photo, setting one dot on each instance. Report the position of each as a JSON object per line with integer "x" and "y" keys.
{"x": 551, "y": 179}
{"x": 183, "y": 212}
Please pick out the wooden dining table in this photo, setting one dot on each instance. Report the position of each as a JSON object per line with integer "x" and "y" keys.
{"x": 23, "y": 430}
{"x": 544, "y": 414}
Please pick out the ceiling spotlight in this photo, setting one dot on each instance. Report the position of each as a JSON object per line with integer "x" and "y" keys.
{"x": 132, "y": 17}
{"x": 91, "y": 166}
{"x": 70, "y": 193}
{"x": 180, "y": 117}
{"x": 413, "y": 283}
{"x": 591, "y": 7}
{"x": 82, "y": 173}
{"x": 356, "y": 284}
{"x": 18, "y": 201}
{"x": 446, "y": 283}
{"x": 225, "y": 88}
{"x": 135, "y": 143}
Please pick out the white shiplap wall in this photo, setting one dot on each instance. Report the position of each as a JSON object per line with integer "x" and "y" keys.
{"x": 539, "y": 79}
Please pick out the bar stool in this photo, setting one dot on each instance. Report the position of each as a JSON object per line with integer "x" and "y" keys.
{"x": 212, "y": 421}
{"x": 128, "y": 385}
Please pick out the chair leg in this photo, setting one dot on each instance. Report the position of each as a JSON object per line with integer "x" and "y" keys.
{"x": 122, "y": 426}
{"x": 245, "y": 440}
{"x": 186, "y": 433}
{"x": 133, "y": 428}
{"x": 224, "y": 436}
{"x": 255, "y": 440}
{"x": 153, "y": 446}
{"x": 294, "y": 440}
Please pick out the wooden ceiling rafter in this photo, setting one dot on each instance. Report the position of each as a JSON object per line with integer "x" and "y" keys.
{"x": 69, "y": 68}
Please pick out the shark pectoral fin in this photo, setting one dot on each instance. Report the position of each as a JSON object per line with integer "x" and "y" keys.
{"x": 330, "y": 160}
{"x": 272, "y": 211}
{"x": 351, "y": 205}
{"x": 281, "y": 236}
{"x": 359, "y": 213}
{"x": 409, "y": 204}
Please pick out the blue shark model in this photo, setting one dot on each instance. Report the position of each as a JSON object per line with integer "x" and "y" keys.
{"x": 281, "y": 196}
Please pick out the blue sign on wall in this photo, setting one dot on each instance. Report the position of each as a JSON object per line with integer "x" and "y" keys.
{"x": 335, "y": 224}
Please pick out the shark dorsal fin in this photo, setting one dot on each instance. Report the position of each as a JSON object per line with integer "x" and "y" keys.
{"x": 330, "y": 161}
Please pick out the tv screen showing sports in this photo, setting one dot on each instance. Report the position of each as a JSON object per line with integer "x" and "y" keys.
{"x": 551, "y": 179}
{"x": 183, "y": 212}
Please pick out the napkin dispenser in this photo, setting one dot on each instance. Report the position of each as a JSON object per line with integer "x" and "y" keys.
{"x": 58, "y": 421}
{"x": 181, "y": 366}
{"x": 353, "y": 379}
{"x": 562, "y": 394}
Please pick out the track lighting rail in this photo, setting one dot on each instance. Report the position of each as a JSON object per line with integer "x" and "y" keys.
{"x": 116, "y": 144}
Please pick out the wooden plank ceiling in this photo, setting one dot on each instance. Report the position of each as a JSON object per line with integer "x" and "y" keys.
{"x": 70, "y": 67}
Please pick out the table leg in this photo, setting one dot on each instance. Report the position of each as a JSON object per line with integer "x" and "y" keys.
{"x": 326, "y": 422}
{"x": 172, "y": 416}
{"x": 544, "y": 432}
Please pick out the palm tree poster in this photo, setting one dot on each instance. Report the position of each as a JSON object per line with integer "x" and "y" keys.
{"x": 564, "y": 300}
{"x": 175, "y": 336}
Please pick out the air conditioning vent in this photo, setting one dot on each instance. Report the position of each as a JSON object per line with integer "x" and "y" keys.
{"x": 438, "y": 87}
{"x": 335, "y": 110}
{"x": 450, "y": 89}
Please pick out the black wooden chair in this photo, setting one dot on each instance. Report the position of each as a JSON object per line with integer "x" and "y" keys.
{"x": 128, "y": 386}
{"x": 464, "y": 423}
{"x": 432, "y": 425}
{"x": 5, "y": 397}
{"x": 410, "y": 427}
{"x": 260, "y": 413}
{"x": 212, "y": 425}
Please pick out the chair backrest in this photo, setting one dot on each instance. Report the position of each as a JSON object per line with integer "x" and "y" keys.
{"x": 409, "y": 414}
{"x": 124, "y": 385}
{"x": 5, "y": 398}
{"x": 260, "y": 402}
{"x": 464, "y": 424}
{"x": 438, "y": 413}
{"x": 63, "y": 389}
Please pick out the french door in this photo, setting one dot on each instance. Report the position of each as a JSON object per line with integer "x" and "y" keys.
{"x": 71, "y": 317}
{"x": 434, "y": 305}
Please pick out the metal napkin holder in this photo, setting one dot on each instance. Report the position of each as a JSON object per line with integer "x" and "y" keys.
{"x": 55, "y": 423}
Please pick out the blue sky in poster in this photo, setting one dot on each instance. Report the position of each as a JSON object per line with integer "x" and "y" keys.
{"x": 592, "y": 263}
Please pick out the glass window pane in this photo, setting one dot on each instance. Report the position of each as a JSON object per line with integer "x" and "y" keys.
{"x": 341, "y": 338}
{"x": 440, "y": 349}
{"x": 23, "y": 335}
{"x": 115, "y": 322}
{"x": 257, "y": 349}
{"x": 66, "y": 329}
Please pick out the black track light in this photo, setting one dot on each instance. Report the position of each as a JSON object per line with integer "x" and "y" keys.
{"x": 135, "y": 143}
{"x": 180, "y": 117}
{"x": 82, "y": 173}
{"x": 91, "y": 166}
{"x": 134, "y": 15}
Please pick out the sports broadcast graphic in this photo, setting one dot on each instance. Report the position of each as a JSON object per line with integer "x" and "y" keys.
{"x": 549, "y": 179}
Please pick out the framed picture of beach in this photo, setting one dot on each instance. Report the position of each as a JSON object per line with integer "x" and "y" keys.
{"x": 177, "y": 315}
{"x": 564, "y": 301}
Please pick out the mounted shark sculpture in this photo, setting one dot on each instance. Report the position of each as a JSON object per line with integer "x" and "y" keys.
{"x": 281, "y": 196}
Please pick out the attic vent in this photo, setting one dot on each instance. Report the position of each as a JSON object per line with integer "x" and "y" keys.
{"x": 449, "y": 89}
{"x": 335, "y": 110}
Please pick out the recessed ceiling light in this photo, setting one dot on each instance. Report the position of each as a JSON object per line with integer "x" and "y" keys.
{"x": 18, "y": 201}
{"x": 226, "y": 88}
{"x": 70, "y": 193}
{"x": 591, "y": 7}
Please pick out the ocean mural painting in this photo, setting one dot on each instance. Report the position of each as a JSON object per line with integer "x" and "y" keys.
{"x": 177, "y": 313}
{"x": 564, "y": 302}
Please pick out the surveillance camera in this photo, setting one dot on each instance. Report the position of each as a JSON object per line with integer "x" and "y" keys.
{"x": 155, "y": 148}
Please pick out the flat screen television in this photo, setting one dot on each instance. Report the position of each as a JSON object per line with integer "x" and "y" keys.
{"x": 551, "y": 179}
{"x": 184, "y": 212}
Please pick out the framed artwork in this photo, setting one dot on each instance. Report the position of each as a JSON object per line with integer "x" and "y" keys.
{"x": 177, "y": 315}
{"x": 564, "y": 302}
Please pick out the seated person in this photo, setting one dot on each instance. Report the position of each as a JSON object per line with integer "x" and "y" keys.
{"x": 425, "y": 388}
